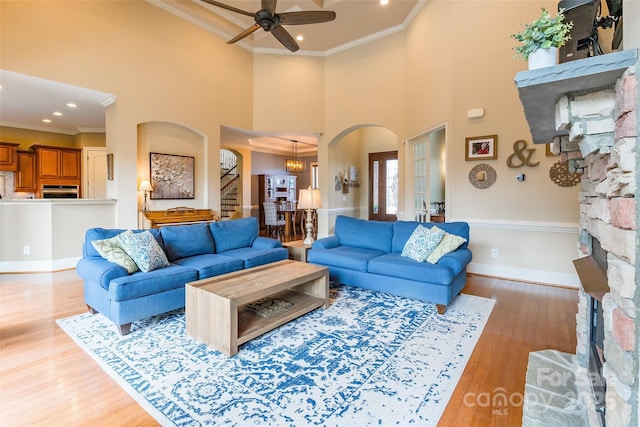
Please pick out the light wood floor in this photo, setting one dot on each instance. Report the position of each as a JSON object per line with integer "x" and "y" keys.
{"x": 46, "y": 379}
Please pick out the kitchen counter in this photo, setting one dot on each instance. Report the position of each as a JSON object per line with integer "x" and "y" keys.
{"x": 62, "y": 201}
{"x": 47, "y": 234}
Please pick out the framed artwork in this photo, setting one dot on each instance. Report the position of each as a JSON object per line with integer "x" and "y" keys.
{"x": 481, "y": 147}
{"x": 110, "y": 166}
{"x": 171, "y": 176}
{"x": 548, "y": 151}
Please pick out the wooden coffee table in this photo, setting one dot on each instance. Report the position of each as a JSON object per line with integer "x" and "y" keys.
{"x": 214, "y": 307}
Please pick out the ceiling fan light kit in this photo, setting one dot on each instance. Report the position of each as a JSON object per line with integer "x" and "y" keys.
{"x": 267, "y": 19}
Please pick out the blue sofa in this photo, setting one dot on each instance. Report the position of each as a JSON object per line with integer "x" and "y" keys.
{"x": 367, "y": 254}
{"x": 193, "y": 252}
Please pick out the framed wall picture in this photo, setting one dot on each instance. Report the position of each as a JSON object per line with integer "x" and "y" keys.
{"x": 171, "y": 176}
{"x": 481, "y": 147}
{"x": 110, "y": 166}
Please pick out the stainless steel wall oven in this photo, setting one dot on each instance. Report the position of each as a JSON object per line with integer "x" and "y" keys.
{"x": 60, "y": 192}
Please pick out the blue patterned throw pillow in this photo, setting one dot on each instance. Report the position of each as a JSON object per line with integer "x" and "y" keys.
{"x": 144, "y": 249}
{"x": 422, "y": 242}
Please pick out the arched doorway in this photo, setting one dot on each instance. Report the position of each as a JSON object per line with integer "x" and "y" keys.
{"x": 230, "y": 185}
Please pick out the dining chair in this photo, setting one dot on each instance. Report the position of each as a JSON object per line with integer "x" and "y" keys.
{"x": 271, "y": 220}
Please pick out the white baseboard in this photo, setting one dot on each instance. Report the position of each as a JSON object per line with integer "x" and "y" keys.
{"x": 524, "y": 274}
{"x": 38, "y": 266}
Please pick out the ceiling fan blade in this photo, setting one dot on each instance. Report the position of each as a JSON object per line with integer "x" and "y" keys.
{"x": 231, "y": 8}
{"x": 269, "y": 5}
{"x": 285, "y": 38}
{"x": 244, "y": 34}
{"x": 306, "y": 17}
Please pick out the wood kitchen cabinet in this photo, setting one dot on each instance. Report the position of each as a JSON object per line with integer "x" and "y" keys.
{"x": 26, "y": 180}
{"x": 8, "y": 156}
{"x": 57, "y": 166}
{"x": 58, "y": 163}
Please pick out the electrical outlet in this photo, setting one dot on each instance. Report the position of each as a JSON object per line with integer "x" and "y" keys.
{"x": 494, "y": 253}
{"x": 26, "y": 250}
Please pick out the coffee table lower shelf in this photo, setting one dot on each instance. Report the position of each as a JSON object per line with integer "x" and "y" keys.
{"x": 252, "y": 325}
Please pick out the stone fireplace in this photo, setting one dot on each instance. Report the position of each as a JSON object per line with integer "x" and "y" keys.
{"x": 589, "y": 109}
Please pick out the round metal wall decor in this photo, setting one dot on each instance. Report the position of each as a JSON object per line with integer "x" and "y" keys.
{"x": 482, "y": 176}
{"x": 559, "y": 173}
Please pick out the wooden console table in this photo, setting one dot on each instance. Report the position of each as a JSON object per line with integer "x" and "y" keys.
{"x": 179, "y": 215}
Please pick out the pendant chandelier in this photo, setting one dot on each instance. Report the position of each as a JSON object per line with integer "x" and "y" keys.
{"x": 294, "y": 165}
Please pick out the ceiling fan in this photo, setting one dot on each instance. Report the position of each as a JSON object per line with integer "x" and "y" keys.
{"x": 267, "y": 19}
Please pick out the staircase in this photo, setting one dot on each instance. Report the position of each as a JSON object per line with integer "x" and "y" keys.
{"x": 229, "y": 179}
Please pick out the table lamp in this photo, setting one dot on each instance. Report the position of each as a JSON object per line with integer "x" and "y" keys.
{"x": 309, "y": 200}
{"x": 146, "y": 187}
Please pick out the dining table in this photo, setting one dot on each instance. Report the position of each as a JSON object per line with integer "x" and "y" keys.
{"x": 288, "y": 209}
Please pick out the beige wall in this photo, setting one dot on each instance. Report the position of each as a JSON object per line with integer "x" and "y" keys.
{"x": 457, "y": 55}
{"x": 288, "y": 93}
{"x": 26, "y": 138}
{"x": 86, "y": 139}
{"x": 158, "y": 67}
{"x": 454, "y": 56}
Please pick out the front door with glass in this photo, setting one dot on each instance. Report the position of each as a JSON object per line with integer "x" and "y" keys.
{"x": 383, "y": 186}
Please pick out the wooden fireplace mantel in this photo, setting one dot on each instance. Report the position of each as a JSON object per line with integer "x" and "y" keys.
{"x": 592, "y": 277}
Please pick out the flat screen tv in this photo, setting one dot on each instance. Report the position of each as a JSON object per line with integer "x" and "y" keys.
{"x": 584, "y": 34}
{"x": 586, "y": 16}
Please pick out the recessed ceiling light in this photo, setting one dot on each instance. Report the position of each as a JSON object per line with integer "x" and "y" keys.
{"x": 71, "y": 105}
{"x": 57, "y": 113}
{"x": 384, "y": 2}
{"x": 299, "y": 37}
{"x": 46, "y": 120}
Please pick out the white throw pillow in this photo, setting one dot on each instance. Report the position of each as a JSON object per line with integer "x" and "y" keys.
{"x": 422, "y": 242}
{"x": 449, "y": 243}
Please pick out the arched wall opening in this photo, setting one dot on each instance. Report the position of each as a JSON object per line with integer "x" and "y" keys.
{"x": 179, "y": 140}
{"x": 351, "y": 148}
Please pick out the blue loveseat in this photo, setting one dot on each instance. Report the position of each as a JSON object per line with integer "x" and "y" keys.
{"x": 368, "y": 254}
{"x": 193, "y": 252}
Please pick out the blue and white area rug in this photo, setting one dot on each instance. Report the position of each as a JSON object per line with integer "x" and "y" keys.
{"x": 369, "y": 359}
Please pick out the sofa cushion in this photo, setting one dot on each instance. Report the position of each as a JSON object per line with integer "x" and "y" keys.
{"x": 395, "y": 265}
{"x": 402, "y": 230}
{"x": 449, "y": 243}
{"x": 111, "y": 250}
{"x": 209, "y": 265}
{"x": 348, "y": 257}
{"x": 181, "y": 241}
{"x": 143, "y": 249}
{"x": 362, "y": 233}
{"x": 422, "y": 242}
{"x": 237, "y": 233}
{"x": 98, "y": 233}
{"x": 253, "y": 257}
{"x": 141, "y": 284}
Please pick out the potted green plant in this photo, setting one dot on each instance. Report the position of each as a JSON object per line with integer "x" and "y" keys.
{"x": 542, "y": 38}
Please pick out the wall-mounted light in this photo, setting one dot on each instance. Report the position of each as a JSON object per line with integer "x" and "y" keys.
{"x": 475, "y": 113}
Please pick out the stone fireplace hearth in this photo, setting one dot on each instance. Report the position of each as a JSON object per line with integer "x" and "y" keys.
{"x": 589, "y": 109}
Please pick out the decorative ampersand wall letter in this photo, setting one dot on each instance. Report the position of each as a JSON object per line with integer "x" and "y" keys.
{"x": 519, "y": 148}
